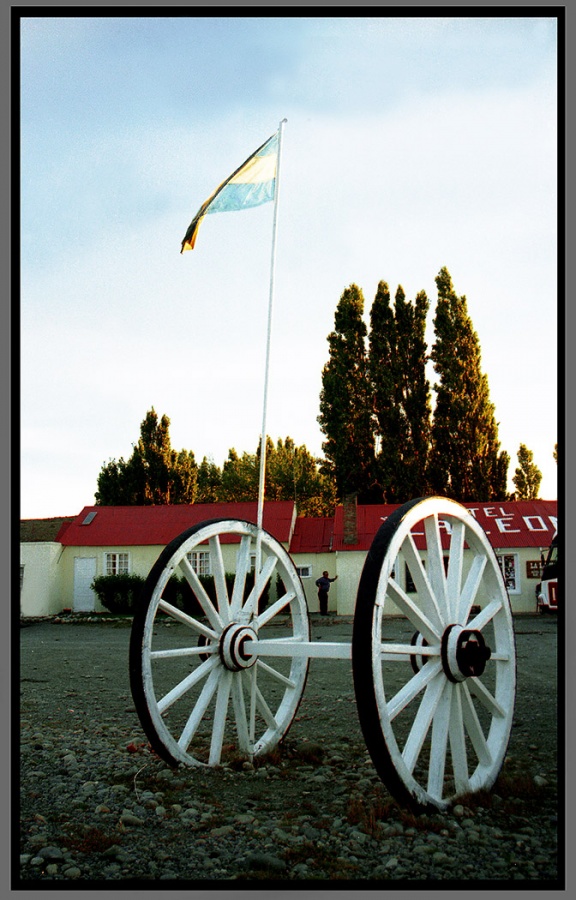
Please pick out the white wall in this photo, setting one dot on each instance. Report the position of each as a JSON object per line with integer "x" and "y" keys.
{"x": 40, "y": 594}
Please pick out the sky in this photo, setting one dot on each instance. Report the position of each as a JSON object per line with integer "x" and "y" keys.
{"x": 411, "y": 143}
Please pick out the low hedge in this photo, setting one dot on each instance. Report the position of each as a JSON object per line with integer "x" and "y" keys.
{"x": 120, "y": 594}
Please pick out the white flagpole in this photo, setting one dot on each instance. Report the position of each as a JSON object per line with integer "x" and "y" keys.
{"x": 267, "y": 366}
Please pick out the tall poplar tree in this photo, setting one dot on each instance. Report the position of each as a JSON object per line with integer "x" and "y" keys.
{"x": 346, "y": 402}
{"x": 397, "y": 367}
{"x": 527, "y": 477}
{"x": 465, "y": 462}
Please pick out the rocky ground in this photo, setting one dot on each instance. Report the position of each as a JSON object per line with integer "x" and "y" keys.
{"x": 96, "y": 805}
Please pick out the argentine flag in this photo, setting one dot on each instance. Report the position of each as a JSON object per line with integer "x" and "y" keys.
{"x": 250, "y": 185}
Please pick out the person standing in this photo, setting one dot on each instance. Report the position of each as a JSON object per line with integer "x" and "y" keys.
{"x": 323, "y": 585}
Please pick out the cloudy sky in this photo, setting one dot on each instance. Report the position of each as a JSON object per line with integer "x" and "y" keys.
{"x": 411, "y": 144}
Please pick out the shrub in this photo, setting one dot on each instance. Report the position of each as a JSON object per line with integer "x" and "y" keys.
{"x": 118, "y": 593}
{"x": 179, "y": 592}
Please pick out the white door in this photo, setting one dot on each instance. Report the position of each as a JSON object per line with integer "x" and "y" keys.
{"x": 84, "y": 574}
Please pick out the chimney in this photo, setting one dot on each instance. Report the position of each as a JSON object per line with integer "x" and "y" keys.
{"x": 350, "y": 504}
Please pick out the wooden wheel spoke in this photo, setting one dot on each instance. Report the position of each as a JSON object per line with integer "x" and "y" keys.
{"x": 439, "y": 743}
{"x": 242, "y": 569}
{"x": 199, "y": 709}
{"x": 185, "y": 619}
{"x": 435, "y": 568}
{"x": 409, "y": 608}
{"x": 471, "y": 587}
{"x": 276, "y": 608}
{"x": 393, "y": 652}
{"x": 422, "y": 722}
{"x": 274, "y": 673}
{"x": 219, "y": 574}
{"x": 260, "y": 582}
{"x": 426, "y": 595}
{"x": 183, "y": 686}
{"x": 258, "y": 702}
{"x": 412, "y": 688}
{"x": 265, "y": 709}
{"x": 240, "y": 717}
{"x": 455, "y": 568}
{"x": 458, "y": 743}
{"x": 200, "y": 593}
{"x": 177, "y": 652}
{"x": 474, "y": 728}
{"x": 220, "y": 714}
{"x": 486, "y": 615}
{"x": 481, "y": 692}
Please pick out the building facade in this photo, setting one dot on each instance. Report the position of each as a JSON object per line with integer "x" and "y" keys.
{"x": 57, "y": 574}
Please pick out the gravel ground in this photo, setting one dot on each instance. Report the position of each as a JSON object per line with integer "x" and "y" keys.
{"x": 96, "y": 805}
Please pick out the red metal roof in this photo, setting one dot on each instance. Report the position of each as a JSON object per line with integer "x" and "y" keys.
{"x": 312, "y": 535}
{"x": 523, "y": 523}
{"x": 121, "y": 526}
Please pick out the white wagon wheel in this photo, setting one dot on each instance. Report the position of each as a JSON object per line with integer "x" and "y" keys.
{"x": 435, "y": 707}
{"x": 200, "y": 693}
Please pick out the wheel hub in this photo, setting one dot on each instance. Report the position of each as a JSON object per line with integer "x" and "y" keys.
{"x": 417, "y": 662}
{"x": 464, "y": 653}
{"x": 231, "y": 647}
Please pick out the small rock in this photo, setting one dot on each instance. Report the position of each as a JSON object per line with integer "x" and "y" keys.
{"x": 50, "y": 853}
{"x": 130, "y": 819}
{"x": 72, "y": 872}
{"x": 265, "y": 861}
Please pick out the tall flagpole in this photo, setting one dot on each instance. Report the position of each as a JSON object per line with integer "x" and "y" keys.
{"x": 267, "y": 366}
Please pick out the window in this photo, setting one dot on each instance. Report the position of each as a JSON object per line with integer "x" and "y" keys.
{"x": 117, "y": 563}
{"x": 508, "y": 563}
{"x": 200, "y": 561}
{"x": 21, "y": 576}
{"x": 304, "y": 571}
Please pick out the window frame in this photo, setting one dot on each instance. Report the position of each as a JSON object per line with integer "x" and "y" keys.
{"x": 122, "y": 562}
{"x": 198, "y": 560}
{"x": 500, "y": 556}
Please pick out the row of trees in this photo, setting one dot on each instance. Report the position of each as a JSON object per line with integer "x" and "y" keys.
{"x": 155, "y": 473}
{"x": 383, "y": 442}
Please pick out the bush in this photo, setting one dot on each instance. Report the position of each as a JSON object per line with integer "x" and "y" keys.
{"x": 118, "y": 593}
{"x": 179, "y": 592}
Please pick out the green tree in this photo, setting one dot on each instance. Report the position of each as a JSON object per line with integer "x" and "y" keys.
{"x": 397, "y": 368}
{"x": 209, "y": 482}
{"x": 155, "y": 474}
{"x": 527, "y": 476}
{"x": 119, "y": 484}
{"x": 346, "y": 402}
{"x": 240, "y": 476}
{"x": 292, "y": 473}
{"x": 465, "y": 462}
